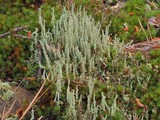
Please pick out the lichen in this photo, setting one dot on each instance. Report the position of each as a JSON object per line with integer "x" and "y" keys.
{"x": 5, "y": 91}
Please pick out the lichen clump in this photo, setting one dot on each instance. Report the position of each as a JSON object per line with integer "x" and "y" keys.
{"x": 5, "y": 91}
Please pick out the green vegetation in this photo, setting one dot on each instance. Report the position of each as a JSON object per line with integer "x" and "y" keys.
{"x": 6, "y": 92}
{"x": 128, "y": 18}
{"x": 81, "y": 54}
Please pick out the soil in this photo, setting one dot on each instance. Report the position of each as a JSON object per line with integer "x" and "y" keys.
{"x": 22, "y": 98}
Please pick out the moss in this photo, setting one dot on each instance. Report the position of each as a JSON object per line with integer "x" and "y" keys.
{"x": 154, "y": 54}
{"x": 123, "y": 16}
{"x": 139, "y": 80}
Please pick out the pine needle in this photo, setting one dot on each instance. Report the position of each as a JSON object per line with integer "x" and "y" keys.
{"x": 143, "y": 29}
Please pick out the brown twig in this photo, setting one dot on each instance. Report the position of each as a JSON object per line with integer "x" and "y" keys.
{"x": 143, "y": 29}
{"x": 4, "y": 34}
{"x": 33, "y": 101}
{"x": 3, "y": 112}
{"x": 40, "y": 118}
{"x": 20, "y": 36}
{"x": 5, "y": 115}
{"x": 15, "y": 30}
{"x": 41, "y": 95}
{"x": 149, "y": 30}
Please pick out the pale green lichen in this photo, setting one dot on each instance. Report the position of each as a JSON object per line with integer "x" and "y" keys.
{"x": 5, "y": 91}
{"x": 70, "y": 50}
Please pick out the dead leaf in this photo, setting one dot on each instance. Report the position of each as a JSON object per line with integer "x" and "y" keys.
{"x": 23, "y": 68}
{"x": 139, "y": 103}
{"x": 158, "y": 18}
{"x": 126, "y": 29}
{"x": 30, "y": 78}
{"x": 136, "y": 29}
{"x": 19, "y": 112}
{"x": 155, "y": 21}
{"x": 131, "y": 14}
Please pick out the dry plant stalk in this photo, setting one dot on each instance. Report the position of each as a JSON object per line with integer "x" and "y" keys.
{"x": 5, "y": 115}
{"x": 33, "y": 101}
{"x": 143, "y": 29}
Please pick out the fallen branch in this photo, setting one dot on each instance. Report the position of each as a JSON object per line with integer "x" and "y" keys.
{"x": 15, "y": 30}
{"x": 21, "y": 36}
{"x": 144, "y": 47}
